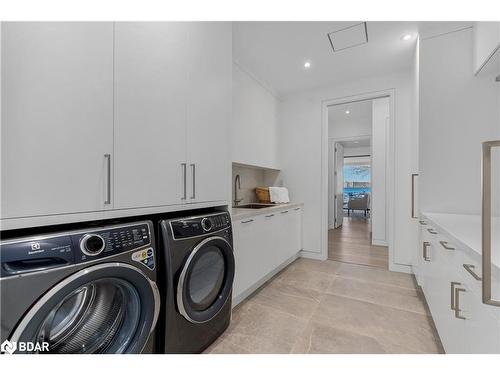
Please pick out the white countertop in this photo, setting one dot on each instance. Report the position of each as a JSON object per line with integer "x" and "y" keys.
{"x": 245, "y": 213}
{"x": 466, "y": 230}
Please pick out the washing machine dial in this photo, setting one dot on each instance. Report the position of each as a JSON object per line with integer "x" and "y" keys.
{"x": 92, "y": 244}
{"x": 206, "y": 224}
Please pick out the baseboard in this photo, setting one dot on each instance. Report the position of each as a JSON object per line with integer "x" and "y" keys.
{"x": 312, "y": 255}
{"x": 379, "y": 243}
{"x": 400, "y": 268}
{"x": 250, "y": 290}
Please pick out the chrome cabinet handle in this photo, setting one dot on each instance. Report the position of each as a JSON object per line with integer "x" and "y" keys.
{"x": 270, "y": 215}
{"x": 425, "y": 252}
{"x": 486, "y": 221}
{"x": 413, "y": 195}
{"x": 453, "y": 303}
{"x": 184, "y": 178}
{"x": 457, "y": 303}
{"x": 296, "y": 209}
{"x": 284, "y": 212}
{"x": 422, "y": 222}
{"x": 108, "y": 178}
{"x": 193, "y": 170}
{"x": 247, "y": 221}
{"x": 446, "y": 246}
{"x": 470, "y": 268}
{"x": 431, "y": 231}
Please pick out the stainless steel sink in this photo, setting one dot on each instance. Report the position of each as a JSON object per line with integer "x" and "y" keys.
{"x": 255, "y": 205}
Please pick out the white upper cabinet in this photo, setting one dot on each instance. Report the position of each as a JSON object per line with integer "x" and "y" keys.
{"x": 102, "y": 116}
{"x": 150, "y": 113}
{"x": 209, "y": 111}
{"x": 172, "y": 112}
{"x": 57, "y": 117}
{"x": 486, "y": 42}
{"x": 255, "y": 133}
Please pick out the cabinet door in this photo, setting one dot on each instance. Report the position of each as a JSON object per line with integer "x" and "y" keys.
{"x": 209, "y": 111}
{"x": 296, "y": 231}
{"x": 273, "y": 241}
{"x": 247, "y": 262}
{"x": 150, "y": 113}
{"x": 482, "y": 328}
{"x": 57, "y": 117}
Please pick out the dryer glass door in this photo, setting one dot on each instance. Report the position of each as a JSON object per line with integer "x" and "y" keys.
{"x": 108, "y": 308}
{"x": 206, "y": 280}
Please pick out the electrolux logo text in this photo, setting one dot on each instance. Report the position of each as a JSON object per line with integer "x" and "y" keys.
{"x": 10, "y": 347}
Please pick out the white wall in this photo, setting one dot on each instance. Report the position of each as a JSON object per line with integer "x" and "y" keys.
{"x": 380, "y": 145}
{"x": 487, "y": 40}
{"x": 301, "y": 120}
{"x": 255, "y": 122}
{"x": 458, "y": 111}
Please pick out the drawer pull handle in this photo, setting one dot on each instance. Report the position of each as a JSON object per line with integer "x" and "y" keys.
{"x": 296, "y": 209}
{"x": 413, "y": 195}
{"x": 422, "y": 222}
{"x": 247, "y": 221}
{"x": 284, "y": 212}
{"x": 457, "y": 303}
{"x": 432, "y": 231}
{"x": 108, "y": 178}
{"x": 453, "y": 303}
{"x": 470, "y": 268}
{"x": 486, "y": 214}
{"x": 446, "y": 246}
{"x": 184, "y": 176}
{"x": 270, "y": 215}
{"x": 425, "y": 251}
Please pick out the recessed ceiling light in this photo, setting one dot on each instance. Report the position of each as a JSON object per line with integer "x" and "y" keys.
{"x": 347, "y": 112}
{"x": 406, "y": 37}
{"x": 307, "y": 65}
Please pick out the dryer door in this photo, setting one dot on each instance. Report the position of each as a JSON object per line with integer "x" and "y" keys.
{"x": 206, "y": 280}
{"x": 106, "y": 308}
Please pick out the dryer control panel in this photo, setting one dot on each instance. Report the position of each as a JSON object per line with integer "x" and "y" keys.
{"x": 200, "y": 225}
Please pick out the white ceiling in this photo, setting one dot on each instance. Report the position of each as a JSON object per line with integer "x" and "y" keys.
{"x": 275, "y": 52}
{"x": 357, "y": 122}
{"x": 358, "y": 111}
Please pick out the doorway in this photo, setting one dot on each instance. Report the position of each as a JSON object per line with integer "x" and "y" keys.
{"x": 353, "y": 128}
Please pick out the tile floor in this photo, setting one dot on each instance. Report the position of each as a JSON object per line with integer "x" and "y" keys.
{"x": 331, "y": 307}
{"x": 352, "y": 243}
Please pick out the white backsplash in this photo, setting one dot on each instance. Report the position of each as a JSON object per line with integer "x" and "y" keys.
{"x": 250, "y": 178}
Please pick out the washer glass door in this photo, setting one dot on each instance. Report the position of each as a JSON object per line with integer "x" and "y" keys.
{"x": 206, "y": 280}
{"x": 102, "y": 309}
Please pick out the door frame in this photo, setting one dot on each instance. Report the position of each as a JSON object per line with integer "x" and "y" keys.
{"x": 390, "y": 189}
{"x": 331, "y": 177}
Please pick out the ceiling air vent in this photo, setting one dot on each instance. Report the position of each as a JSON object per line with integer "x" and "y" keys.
{"x": 348, "y": 37}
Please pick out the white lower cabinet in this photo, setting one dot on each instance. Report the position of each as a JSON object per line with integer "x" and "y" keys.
{"x": 262, "y": 244}
{"x": 453, "y": 294}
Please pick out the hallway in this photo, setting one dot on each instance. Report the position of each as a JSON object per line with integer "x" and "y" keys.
{"x": 331, "y": 307}
{"x": 351, "y": 243}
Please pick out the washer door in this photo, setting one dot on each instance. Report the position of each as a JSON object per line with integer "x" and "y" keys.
{"x": 206, "y": 280}
{"x": 106, "y": 308}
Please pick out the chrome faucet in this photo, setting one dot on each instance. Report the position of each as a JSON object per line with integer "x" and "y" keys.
{"x": 237, "y": 185}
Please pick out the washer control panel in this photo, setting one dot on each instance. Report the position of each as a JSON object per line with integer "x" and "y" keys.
{"x": 39, "y": 253}
{"x": 198, "y": 226}
{"x": 111, "y": 241}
